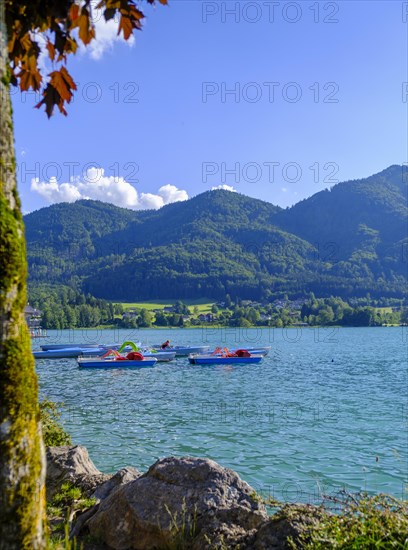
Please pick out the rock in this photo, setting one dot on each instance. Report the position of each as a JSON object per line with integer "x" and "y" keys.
{"x": 291, "y": 521}
{"x": 179, "y": 501}
{"x": 72, "y": 463}
{"x": 123, "y": 476}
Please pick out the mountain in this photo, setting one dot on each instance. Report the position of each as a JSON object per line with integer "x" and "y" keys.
{"x": 346, "y": 241}
{"x": 346, "y": 213}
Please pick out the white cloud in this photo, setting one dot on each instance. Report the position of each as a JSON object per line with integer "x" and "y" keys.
{"x": 170, "y": 193}
{"x": 115, "y": 190}
{"x": 166, "y": 195}
{"x": 225, "y": 187}
{"x": 106, "y": 36}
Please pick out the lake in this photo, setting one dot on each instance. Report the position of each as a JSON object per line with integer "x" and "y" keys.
{"x": 327, "y": 409}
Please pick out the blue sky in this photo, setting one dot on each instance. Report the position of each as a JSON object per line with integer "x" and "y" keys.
{"x": 275, "y": 99}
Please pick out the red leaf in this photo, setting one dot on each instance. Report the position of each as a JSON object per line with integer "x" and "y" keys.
{"x": 74, "y": 12}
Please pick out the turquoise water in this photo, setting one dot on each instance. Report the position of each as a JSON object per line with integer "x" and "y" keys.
{"x": 326, "y": 410}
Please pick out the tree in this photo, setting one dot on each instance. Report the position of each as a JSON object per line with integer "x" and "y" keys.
{"x": 161, "y": 319}
{"x": 24, "y": 25}
{"x": 145, "y": 318}
{"x": 325, "y": 316}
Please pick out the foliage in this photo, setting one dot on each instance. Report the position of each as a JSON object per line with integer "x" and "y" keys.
{"x": 62, "y": 542}
{"x": 54, "y": 434}
{"x": 376, "y": 522}
{"x": 221, "y": 243}
{"x": 183, "y": 529}
{"x": 58, "y": 25}
{"x": 68, "y": 500}
{"x": 63, "y": 307}
{"x": 71, "y": 497}
{"x": 334, "y": 311}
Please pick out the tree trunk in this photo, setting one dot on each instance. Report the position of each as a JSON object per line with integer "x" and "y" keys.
{"x": 22, "y": 460}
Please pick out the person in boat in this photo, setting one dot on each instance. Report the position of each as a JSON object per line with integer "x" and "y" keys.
{"x": 165, "y": 344}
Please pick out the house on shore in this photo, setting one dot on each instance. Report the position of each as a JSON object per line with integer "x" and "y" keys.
{"x": 33, "y": 320}
{"x": 207, "y": 318}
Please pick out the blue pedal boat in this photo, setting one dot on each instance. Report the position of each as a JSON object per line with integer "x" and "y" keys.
{"x": 69, "y": 352}
{"x": 52, "y": 347}
{"x": 205, "y": 359}
{"x": 183, "y": 351}
{"x": 114, "y": 362}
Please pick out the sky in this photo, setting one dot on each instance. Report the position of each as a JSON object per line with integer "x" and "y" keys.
{"x": 276, "y": 100}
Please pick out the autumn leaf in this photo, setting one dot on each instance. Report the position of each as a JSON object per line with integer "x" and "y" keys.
{"x": 51, "y": 50}
{"x": 60, "y": 40}
{"x": 51, "y": 98}
{"x": 29, "y": 75}
{"x": 111, "y": 4}
{"x": 30, "y": 79}
{"x": 130, "y": 19}
{"x": 126, "y": 26}
{"x": 86, "y": 30}
{"x": 57, "y": 92}
{"x": 26, "y": 42}
{"x": 74, "y": 12}
{"x": 25, "y": 80}
{"x": 55, "y": 21}
{"x": 109, "y": 13}
{"x": 61, "y": 80}
{"x": 136, "y": 14}
{"x": 68, "y": 78}
{"x": 71, "y": 45}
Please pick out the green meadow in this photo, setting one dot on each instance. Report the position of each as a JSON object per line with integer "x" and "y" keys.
{"x": 203, "y": 304}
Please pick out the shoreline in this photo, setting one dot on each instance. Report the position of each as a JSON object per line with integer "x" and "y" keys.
{"x": 201, "y": 327}
{"x": 196, "y": 503}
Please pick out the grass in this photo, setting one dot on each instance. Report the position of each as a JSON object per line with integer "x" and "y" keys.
{"x": 364, "y": 523}
{"x": 183, "y": 529}
{"x": 53, "y": 433}
{"x": 69, "y": 498}
{"x": 62, "y": 541}
{"x": 203, "y": 304}
{"x": 60, "y": 509}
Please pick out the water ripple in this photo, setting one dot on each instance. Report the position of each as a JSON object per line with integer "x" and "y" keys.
{"x": 323, "y": 411}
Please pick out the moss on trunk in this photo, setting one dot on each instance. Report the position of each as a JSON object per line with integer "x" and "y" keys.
{"x": 22, "y": 461}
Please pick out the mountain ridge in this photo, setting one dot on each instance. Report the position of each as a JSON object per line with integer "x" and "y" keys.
{"x": 349, "y": 239}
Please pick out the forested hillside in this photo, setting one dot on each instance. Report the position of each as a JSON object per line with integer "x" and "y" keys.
{"x": 347, "y": 241}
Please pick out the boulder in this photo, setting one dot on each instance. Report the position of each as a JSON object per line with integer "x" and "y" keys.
{"x": 72, "y": 463}
{"x": 185, "y": 502}
{"x": 123, "y": 476}
{"x": 290, "y": 522}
